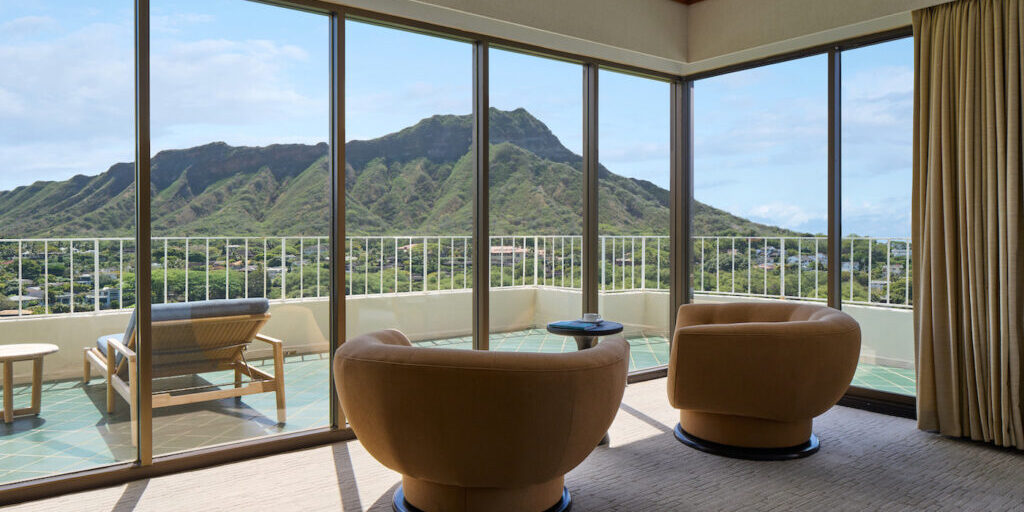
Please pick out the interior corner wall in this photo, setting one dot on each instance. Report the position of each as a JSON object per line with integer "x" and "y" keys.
{"x": 644, "y": 33}
{"x": 726, "y": 32}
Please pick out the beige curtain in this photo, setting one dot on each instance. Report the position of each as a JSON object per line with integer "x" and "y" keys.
{"x": 967, "y": 219}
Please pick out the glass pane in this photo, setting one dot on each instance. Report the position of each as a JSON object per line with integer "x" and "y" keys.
{"x": 67, "y": 227}
{"x": 536, "y": 200}
{"x": 877, "y": 96}
{"x": 241, "y": 214}
{"x": 409, "y": 175}
{"x": 633, "y": 212}
{"x": 760, "y": 184}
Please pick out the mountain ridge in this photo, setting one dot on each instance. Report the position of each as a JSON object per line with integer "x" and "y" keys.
{"x": 417, "y": 180}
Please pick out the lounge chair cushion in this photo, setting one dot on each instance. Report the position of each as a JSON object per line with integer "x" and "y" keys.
{"x": 190, "y": 310}
{"x": 202, "y": 309}
{"x": 101, "y": 343}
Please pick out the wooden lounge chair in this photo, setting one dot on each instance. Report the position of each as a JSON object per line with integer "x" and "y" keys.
{"x": 188, "y": 339}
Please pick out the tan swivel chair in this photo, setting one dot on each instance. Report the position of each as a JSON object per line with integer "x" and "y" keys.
{"x": 748, "y": 378}
{"x": 476, "y": 430}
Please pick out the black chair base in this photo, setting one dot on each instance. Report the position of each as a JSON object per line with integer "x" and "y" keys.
{"x": 741, "y": 452}
{"x": 398, "y": 503}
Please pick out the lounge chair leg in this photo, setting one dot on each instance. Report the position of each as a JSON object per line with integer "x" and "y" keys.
{"x": 238, "y": 382}
{"x": 279, "y": 381}
{"x": 87, "y": 368}
{"x": 133, "y": 388}
{"x": 111, "y": 367}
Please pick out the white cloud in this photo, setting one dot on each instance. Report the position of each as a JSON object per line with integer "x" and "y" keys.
{"x": 787, "y": 215}
{"x": 635, "y": 152}
{"x": 27, "y": 25}
{"x": 174, "y": 23}
{"x": 67, "y": 99}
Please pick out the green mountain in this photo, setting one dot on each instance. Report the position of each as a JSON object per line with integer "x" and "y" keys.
{"x": 415, "y": 181}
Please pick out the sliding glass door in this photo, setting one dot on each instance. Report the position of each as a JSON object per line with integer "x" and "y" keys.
{"x": 536, "y": 200}
{"x": 877, "y": 126}
{"x": 408, "y": 179}
{"x": 240, "y": 221}
{"x": 633, "y": 212}
{"x": 67, "y": 226}
{"x": 761, "y": 184}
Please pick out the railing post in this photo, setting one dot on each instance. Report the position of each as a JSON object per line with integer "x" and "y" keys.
{"x": 732, "y": 263}
{"x": 165, "y": 271}
{"x": 851, "y": 268}
{"x": 227, "y": 269}
{"x": 658, "y": 287}
{"x": 536, "y": 256}
{"x": 799, "y": 267}
{"x": 71, "y": 273}
{"x": 643, "y": 263}
{"x": 245, "y": 267}
{"x": 604, "y": 263}
{"x": 206, "y": 248}
{"x": 20, "y": 291}
{"x": 46, "y": 277}
{"x": 187, "y": 265}
{"x": 782, "y": 266}
{"x": 284, "y": 270}
{"x": 764, "y": 269}
{"x": 425, "y": 288}
{"x": 95, "y": 274}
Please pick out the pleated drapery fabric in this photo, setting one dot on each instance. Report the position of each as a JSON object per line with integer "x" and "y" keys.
{"x": 967, "y": 219}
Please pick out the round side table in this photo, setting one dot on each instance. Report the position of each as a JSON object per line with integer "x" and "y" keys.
{"x": 588, "y": 338}
{"x": 9, "y": 354}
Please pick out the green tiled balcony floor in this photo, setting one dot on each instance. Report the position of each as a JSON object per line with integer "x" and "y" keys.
{"x": 886, "y": 378}
{"x": 74, "y": 432}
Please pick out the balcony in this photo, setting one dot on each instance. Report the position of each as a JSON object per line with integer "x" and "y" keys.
{"x": 71, "y": 291}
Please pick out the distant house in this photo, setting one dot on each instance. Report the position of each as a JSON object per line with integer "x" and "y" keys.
{"x": 848, "y": 266}
{"x": 507, "y": 254}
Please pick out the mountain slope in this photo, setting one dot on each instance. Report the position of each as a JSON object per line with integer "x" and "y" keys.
{"x": 417, "y": 181}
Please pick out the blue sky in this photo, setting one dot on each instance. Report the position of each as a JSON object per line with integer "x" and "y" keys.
{"x": 250, "y": 74}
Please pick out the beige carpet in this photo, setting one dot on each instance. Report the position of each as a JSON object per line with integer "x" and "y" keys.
{"x": 867, "y": 462}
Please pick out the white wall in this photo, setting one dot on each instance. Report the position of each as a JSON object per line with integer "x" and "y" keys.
{"x": 724, "y": 32}
{"x": 663, "y": 35}
{"x": 645, "y": 33}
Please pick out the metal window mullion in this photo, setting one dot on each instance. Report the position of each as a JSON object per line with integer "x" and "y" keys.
{"x": 337, "y": 189}
{"x": 143, "y": 248}
{"x": 681, "y": 195}
{"x": 480, "y": 148}
{"x": 590, "y": 188}
{"x": 833, "y": 273}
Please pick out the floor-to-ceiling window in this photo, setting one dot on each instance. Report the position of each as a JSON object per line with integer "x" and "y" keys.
{"x": 760, "y": 184}
{"x": 240, "y": 220}
{"x": 633, "y": 211}
{"x": 877, "y": 127}
{"x": 536, "y": 200}
{"x": 67, "y": 225}
{"x": 408, "y": 179}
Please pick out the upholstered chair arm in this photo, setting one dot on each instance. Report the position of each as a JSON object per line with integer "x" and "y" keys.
{"x": 475, "y": 418}
{"x": 775, "y": 370}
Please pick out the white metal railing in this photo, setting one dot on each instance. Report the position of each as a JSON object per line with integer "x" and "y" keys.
{"x": 68, "y": 275}
{"x": 874, "y": 270}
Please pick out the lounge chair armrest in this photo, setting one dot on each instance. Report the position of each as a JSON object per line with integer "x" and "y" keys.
{"x": 119, "y": 347}
{"x": 268, "y": 339}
